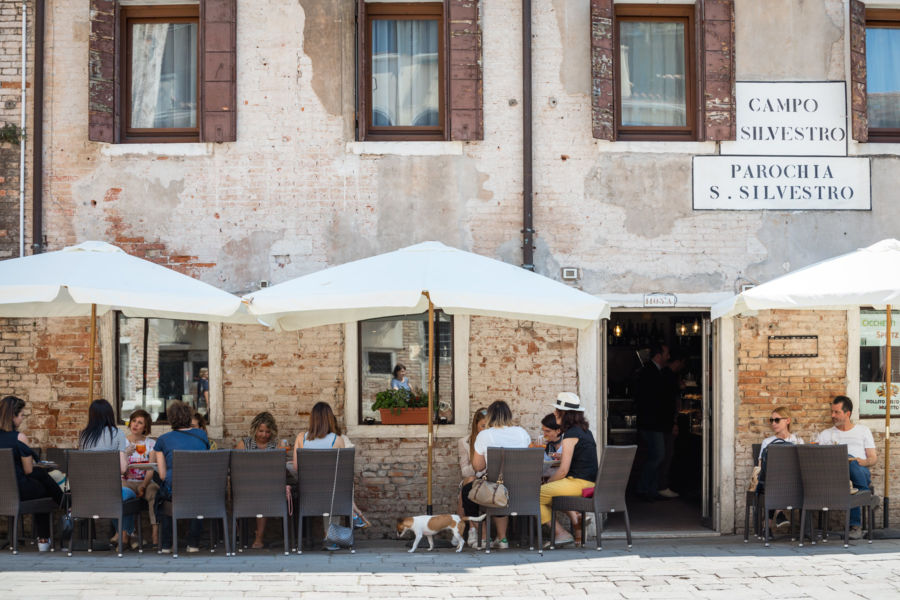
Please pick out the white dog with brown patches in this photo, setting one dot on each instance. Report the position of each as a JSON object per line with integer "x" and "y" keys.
{"x": 429, "y": 525}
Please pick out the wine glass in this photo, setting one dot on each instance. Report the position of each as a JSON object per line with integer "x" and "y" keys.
{"x": 140, "y": 448}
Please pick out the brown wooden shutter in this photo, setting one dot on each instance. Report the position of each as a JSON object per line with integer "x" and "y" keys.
{"x": 102, "y": 72}
{"x": 603, "y": 99}
{"x": 362, "y": 32}
{"x": 466, "y": 93}
{"x": 717, "y": 74}
{"x": 218, "y": 27}
{"x": 858, "y": 102}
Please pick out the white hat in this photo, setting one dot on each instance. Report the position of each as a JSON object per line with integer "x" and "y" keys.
{"x": 568, "y": 401}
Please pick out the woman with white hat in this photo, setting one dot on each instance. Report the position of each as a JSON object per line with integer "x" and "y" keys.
{"x": 578, "y": 463}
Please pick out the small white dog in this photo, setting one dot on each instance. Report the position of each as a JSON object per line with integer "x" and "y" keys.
{"x": 429, "y": 525}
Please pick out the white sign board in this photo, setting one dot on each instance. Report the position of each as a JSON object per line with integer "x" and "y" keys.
{"x": 790, "y": 119}
{"x": 781, "y": 183}
{"x": 660, "y": 299}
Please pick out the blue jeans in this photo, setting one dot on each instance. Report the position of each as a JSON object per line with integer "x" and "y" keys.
{"x": 656, "y": 453}
{"x": 128, "y": 521}
{"x": 862, "y": 480}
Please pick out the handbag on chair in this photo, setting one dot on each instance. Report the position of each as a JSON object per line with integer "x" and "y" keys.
{"x": 492, "y": 494}
{"x": 337, "y": 534}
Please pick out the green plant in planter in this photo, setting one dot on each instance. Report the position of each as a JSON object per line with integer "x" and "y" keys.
{"x": 397, "y": 399}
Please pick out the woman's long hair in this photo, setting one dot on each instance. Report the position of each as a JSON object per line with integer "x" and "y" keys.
{"x": 100, "y": 418}
{"x": 572, "y": 418}
{"x": 263, "y": 418}
{"x": 10, "y": 408}
{"x": 480, "y": 415}
{"x": 499, "y": 414}
{"x": 321, "y": 421}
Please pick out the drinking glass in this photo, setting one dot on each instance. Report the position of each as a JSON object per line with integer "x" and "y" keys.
{"x": 141, "y": 447}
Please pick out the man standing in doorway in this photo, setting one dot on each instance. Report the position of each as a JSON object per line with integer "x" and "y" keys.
{"x": 860, "y": 448}
{"x": 654, "y": 420}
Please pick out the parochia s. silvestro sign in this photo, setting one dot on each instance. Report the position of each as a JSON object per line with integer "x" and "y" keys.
{"x": 790, "y": 153}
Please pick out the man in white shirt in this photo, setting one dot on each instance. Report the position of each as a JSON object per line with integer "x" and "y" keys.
{"x": 860, "y": 448}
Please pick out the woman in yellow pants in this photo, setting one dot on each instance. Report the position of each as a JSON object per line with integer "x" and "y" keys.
{"x": 577, "y": 464}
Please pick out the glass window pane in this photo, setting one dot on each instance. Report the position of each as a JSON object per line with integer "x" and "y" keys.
{"x": 873, "y": 363}
{"x": 160, "y": 361}
{"x": 405, "y": 73}
{"x": 652, "y": 73}
{"x": 404, "y": 340}
{"x": 164, "y": 75}
{"x": 883, "y": 77}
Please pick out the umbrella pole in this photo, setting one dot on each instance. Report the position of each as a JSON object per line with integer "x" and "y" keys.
{"x": 887, "y": 417}
{"x": 93, "y": 343}
{"x": 429, "y": 509}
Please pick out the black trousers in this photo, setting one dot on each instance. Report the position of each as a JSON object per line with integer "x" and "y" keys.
{"x": 40, "y": 485}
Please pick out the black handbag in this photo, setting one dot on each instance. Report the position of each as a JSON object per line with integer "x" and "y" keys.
{"x": 337, "y": 534}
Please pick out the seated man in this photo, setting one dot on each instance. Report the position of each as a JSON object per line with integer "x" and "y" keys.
{"x": 860, "y": 447}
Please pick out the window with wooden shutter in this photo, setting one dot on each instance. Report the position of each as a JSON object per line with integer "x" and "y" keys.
{"x": 420, "y": 73}
{"x": 163, "y": 72}
{"x": 662, "y": 72}
{"x": 881, "y": 72}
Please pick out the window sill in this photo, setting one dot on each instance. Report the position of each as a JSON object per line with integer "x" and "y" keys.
{"x": 357, "y": 432}
{"x": 406, "y": 148}
{"x": 874, "y": 149}
{"x": 657, "y": 147}
{"x": 184, "y": 149}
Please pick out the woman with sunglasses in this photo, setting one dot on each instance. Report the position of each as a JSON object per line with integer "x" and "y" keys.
{"x": 781, "y": 427}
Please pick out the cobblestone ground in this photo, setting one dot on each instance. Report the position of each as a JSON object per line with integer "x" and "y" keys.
{"x": 715, "y": 567}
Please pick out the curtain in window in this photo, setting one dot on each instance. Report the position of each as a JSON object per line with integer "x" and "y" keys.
{"x": 883, "y": 77}
{"x": 652, "y": 73}
{"x": 164, "y": 75}
{"x": 405, "y": 73}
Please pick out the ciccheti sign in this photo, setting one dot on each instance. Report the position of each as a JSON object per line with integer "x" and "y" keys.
{"x": 790, "y": 153}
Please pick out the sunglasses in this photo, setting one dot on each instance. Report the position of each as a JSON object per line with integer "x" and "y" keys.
{"x": 777, "y": 419}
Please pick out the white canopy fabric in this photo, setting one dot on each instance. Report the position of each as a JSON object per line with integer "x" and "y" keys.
{"x": 459, "y": 283}
{"x": 867, "y": 277}
{"x": 67, "y": 282}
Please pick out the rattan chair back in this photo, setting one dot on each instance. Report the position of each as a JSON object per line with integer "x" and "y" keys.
{"x": 784, "y": 485}
{"x": 95, "y": 480}
{"x": 199, "y": 483}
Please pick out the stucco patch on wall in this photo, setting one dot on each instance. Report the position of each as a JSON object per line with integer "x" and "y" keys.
{"x": 574, "y": 20}
{"x": 326, "y": 24}
{"x": 248, "y": 259}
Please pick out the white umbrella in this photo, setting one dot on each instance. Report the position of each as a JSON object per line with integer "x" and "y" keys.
{"x": 418, "y": 278}
{"x": 95, "y": 277}
{"x": 867, "y": 277}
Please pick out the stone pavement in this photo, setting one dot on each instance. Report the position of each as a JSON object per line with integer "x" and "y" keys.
{"x": 713, "y": 567}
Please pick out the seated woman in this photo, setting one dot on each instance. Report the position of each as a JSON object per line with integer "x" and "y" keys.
{"x": 780, "y": 420}
{"x": 466, "y": 448}
{"x": 578, "y": 461}
{"x": 33, "y": 483}
{"x": 323, "y": 433}
{"x": 198, "y": 421}
{"x": 182, "y": 437}
{"x": 102, "y": 434}
{"x": 500, "y": 433}
{"x": 400, "y": 381}
{"x": 552, "y": 433}
{"x": 263, "y": 436}
{"x": 141, "y": 480}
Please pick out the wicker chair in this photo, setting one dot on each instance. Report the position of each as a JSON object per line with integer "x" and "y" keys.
{"x": 10, "y": 504}
{"x": 752, "y": 501}
{"x": 522, "y": 469}
{"x": 59, "y": 456}
{"x": 315, "y": 472}
{"x": 95, "y": 481}
{"x": 609, "y": 493}
{"x": 199, "y": 485}
{"x": 784, "y": 487}
{"x": 826, "y": 476}
{"x": 257, "y": 488}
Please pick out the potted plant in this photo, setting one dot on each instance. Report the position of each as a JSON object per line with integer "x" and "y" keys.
{"x": 401, "y": 407}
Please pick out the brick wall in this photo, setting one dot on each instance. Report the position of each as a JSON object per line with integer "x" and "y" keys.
{"x": 45, "y": 361}
{"x": 805, "y": 385}
{"x": 10, "y": 113}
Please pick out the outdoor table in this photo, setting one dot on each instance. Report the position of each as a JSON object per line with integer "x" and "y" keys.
{"x": 46, "y": 464}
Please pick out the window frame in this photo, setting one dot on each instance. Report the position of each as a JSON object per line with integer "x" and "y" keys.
{"x": 684, "y": 13}
{"x": 405, "y": 11}
{"x": 168, "y": 13}
{"x": 881, "y": 18}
